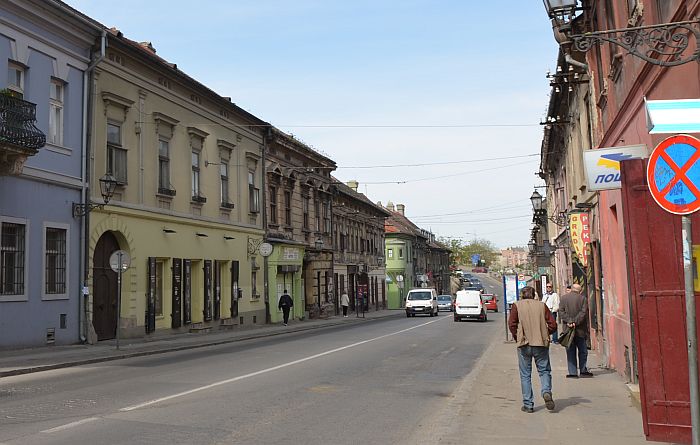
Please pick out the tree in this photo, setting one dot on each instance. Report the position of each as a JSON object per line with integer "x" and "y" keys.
{"x": 462, "y": 251}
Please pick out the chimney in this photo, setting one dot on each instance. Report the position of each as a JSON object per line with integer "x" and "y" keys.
{"x": 148, "y": 46}
{"x": 379, "y": 203}
{"x": 353, "y": 185}
{"x": 400, "y": 208}
{"x": 390, "y": 206}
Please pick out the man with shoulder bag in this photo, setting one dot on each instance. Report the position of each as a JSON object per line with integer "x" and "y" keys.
{"x": 531, "y": 324}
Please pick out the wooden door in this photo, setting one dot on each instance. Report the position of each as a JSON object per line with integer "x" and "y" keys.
{"x": 104, "y": 300}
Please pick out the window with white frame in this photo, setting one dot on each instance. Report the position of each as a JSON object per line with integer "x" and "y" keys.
{"x": 223, "y": 173}
{"x": 390, "y": 253}
{"x": 55, "y": 260}
{"x": 12, "y": 258}
{"x": 195, "y": 174}
{"x": 116, "y": 154}
{"x": 163, "y": 165}
{"x": 56, "y": 92}
{"x": 254, "y": 193}
{"x": 15, "y": 79}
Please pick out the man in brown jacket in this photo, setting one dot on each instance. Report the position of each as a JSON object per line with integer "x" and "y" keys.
{"x": 531, "y": 324}
{"x": 573, "y": 312}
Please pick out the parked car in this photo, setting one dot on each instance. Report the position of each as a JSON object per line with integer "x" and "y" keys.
{"x": 468, "y": 304}
{"x": 490, "y": 301}
{"x": 480, "y": 270}
{"x": 421, "y": 301}
{"x": 444, "y": 302}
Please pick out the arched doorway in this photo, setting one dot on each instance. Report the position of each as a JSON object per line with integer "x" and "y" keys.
{"x": 104, "y": 279}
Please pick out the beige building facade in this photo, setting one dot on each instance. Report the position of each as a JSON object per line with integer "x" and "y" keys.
{"x": 187, "y": 208}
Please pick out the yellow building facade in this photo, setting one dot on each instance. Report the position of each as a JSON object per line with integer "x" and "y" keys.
{"x": 187, "y": 210}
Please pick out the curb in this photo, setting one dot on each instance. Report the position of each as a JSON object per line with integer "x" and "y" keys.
{"x": 121, "y": 356}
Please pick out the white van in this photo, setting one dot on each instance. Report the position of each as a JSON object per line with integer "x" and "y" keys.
{"x": 468, "y": 304}
{"x": 421, "y": 301}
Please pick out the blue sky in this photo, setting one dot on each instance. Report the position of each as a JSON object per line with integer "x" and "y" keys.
{"x": 380, "y": 83}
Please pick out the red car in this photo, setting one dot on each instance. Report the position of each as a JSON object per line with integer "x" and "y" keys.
{"x": 490, "y": 302}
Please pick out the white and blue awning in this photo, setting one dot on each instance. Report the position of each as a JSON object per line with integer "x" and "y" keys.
{"x": 673, "y": 116}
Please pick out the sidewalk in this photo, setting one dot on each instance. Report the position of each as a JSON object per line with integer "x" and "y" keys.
{"x": 485, "y": 408}
{"x": 24, "y": 361}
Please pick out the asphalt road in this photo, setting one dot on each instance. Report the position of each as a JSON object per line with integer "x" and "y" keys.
{"x": 379, "y": 382}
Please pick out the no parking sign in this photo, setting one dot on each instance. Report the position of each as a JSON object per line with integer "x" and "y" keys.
{"x": 673, "y": 174}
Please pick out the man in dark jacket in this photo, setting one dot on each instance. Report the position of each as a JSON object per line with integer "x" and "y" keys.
{"x": 285, "y": 304}
{"x": 573, "y": 312}
{"x": 531, "y": 324}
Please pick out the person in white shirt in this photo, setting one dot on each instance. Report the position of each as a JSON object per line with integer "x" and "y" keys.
{"x": 345, "y": 302}
{"x": 551, "y": 299}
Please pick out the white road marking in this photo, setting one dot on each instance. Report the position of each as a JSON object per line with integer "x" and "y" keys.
{"x": 274, "y": 368}
{"x": 71, "y": 425}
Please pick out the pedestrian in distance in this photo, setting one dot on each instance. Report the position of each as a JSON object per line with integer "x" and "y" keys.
{"x": 551, "y": 299}
{"x": 531, "y": 324}
{"x": 573, "y": 312}
{"x": 345, "y": 302}
{"x": 285, "y": 304}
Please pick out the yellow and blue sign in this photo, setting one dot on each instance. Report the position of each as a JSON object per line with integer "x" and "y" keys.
{"x": 602, "y": 166}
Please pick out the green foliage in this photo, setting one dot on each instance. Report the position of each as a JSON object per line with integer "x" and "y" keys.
{"x": 462, "y": 251}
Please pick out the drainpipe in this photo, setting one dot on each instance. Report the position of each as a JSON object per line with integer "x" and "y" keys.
{"x": 571, "y": 61}
{"x": 88, "y": 105}
{"x": 263, "y": 188}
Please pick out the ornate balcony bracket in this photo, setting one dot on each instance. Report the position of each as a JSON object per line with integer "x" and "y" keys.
{"x": 664, "y": 45}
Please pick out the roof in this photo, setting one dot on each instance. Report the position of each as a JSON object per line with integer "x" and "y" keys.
{"x": 147, "y": 51}
{"x": 299, "y": 145}
{"x": 347, "y": 191}
{"x": 398, "y": 223}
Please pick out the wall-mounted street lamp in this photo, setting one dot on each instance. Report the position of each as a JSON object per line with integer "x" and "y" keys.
{"x": 539, "y": 212}
{"x": 107, "y": 186}
{"x": 664, "y": 44}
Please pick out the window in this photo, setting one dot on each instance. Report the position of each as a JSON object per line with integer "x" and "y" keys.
{"x": 56, "y": 112}
{"x": 390, "y": 253}
{"x": 223, "y": 173}
{"x": 160, "y": 268}
{"x": 55, "y": 261}
{"x": 195, "y": 174}
{"x": 12, "y": 248}
{"x": 273, "y": 205}
{"x": 253, "y": 193}
{"x": 15, "y": 79}
{"x": 116, "y": 155}
{"x": 400, "y": 253}
{"x": 317, "y": 215}
{"x": 163, "y": 166}
{"x": 326, "y": 217}
{"x": 305, "y": 211}
{"x": 288, "y": 208}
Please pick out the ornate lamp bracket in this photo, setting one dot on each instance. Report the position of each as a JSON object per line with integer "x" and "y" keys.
{"x": 663, "y": 45}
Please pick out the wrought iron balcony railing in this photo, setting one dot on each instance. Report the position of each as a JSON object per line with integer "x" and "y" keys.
{"x": 17, "y": 124}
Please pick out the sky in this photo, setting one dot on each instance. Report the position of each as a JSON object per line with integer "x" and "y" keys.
{"x": 449, "y": 94}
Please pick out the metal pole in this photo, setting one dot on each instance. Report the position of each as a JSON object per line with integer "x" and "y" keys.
{"x": 119, "y": 297}
{"x": 505, "y": 305}
{"x": 691, "y": 330}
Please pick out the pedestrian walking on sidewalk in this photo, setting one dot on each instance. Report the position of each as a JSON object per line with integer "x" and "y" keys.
{"x": 531, "y": 323}
{"x": 573, "y": 312}
{"x": 285, "y": 304}
{"x": 551, "y": 299}
{"x": 345, "y": 302}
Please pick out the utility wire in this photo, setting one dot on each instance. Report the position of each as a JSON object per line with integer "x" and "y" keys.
{"x": 438, "y": 163}
{"x": 444, "y": 176}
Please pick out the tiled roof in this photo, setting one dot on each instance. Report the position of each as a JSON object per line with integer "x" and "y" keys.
{"x": 344, "y": 189}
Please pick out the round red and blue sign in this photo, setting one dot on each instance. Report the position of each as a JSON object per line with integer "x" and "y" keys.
{"x": 673, "y": 174}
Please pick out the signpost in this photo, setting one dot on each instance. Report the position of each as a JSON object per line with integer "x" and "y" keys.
{"x": 673, "y": 175}
{"x": 119, "y": 261}
{"x": 399, "y": 283}
{"x": 475, "y": 259}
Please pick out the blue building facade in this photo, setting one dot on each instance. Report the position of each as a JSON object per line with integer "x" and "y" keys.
{"x": 45, "y": 52}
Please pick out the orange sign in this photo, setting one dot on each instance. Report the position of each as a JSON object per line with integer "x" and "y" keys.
{"x": 580, "y": 232}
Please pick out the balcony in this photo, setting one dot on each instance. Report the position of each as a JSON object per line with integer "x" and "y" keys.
{"x": 19, "y": 137}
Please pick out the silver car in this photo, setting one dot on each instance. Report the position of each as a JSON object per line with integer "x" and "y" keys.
{"x": 444, "y": 302}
